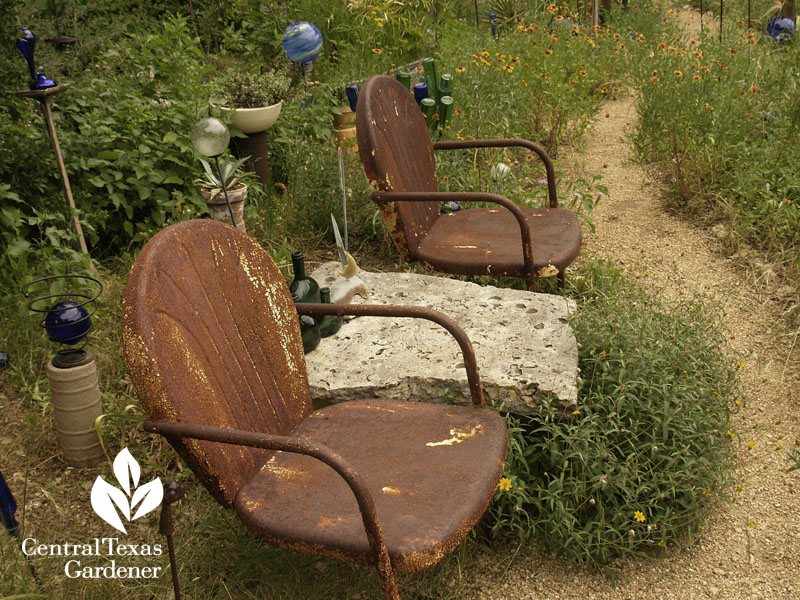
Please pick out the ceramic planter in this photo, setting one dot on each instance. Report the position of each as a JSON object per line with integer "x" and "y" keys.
{"x": 254, "y": 120}
{"x": 219, "y": 208}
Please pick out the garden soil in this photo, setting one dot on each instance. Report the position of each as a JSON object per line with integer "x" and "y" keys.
{"x": 750, "y": 548}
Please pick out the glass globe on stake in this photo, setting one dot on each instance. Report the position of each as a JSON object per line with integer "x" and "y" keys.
{"x": 302, "y": 43}
{"x": 211, "y": 137}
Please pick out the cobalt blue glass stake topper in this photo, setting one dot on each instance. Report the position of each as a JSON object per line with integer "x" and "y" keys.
{"x": 72, "y": 371}
{"x": 69, "y": 320}
{"x": 27, "y": 45}
{"x": 302, "y": 43}
{"x": 8, "y": 506}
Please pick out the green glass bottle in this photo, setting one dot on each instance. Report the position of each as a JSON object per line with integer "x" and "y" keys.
{"x": 309, "y": 330}
{"x": 305, "y": 287}
{"x": 428, "y": 106}
{"x": 445, "y": 111}
{"x": 429, "y": 74}
{"x": 445, "y": 86}
{"x": 328, "y": 324}
{"x": 404, "y": 77}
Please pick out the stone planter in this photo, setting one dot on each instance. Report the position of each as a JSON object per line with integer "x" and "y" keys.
{"x": 254, "y": 120}
{"x": 219, "y": 208}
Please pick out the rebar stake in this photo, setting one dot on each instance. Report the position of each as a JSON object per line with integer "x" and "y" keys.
{"x": 173, "y": 491}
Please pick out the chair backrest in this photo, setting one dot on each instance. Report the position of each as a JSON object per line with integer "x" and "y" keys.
{"x": 211, "y": 336}
{"x": 397, "y": 155}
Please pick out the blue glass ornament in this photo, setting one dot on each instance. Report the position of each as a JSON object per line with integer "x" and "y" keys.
{"x": 302, "y": 42}
{"x": 27, "y": 45}
{"x": 8, "y": 506}
{"x": 352, "y": 96}
{"x": 420, "y": 91}
{"x": 67, "y": 323}
{"x": 780, "y": 29}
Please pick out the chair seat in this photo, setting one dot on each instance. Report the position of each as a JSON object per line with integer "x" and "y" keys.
{"x": 481, "y": 241}
{"x": 430, "y": 468}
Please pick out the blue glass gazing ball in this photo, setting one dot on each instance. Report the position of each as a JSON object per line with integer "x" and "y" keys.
{"x": 67, "y": 323}
{"x": 302, "y": 42}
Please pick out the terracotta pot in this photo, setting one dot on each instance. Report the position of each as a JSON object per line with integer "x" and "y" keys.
{"x": 219, "y": 208}
{"x": 254, "y": 120}
{"x": 346, "y": 119}
{"x": 346, "y": 138}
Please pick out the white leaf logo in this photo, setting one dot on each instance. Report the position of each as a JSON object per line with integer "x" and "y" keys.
{"x": 106, "y": 498}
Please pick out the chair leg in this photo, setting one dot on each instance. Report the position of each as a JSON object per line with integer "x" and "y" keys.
{"x": 562, "y": 279}
{"x": 386, "y": 577}
{"x": 173, "y": 491}
{"x": 530, "y": 280}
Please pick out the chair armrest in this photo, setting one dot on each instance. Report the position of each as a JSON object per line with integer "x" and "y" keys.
{"x": 506, "y": 143}
{"x": 418, "y": 312}
{"x": 527, "y": 242}
{"x": 366, "y": 505}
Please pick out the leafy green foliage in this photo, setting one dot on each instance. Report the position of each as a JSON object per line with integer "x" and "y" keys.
{"x": 648, "y": 453}
{"x": 124, "y": 136}
{"x": 245, "y": 87}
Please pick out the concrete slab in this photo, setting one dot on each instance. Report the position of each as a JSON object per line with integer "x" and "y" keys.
{"x": 526, "y": 351}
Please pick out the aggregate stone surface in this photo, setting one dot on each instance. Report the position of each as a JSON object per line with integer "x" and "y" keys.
{"x": 525, "y": 348}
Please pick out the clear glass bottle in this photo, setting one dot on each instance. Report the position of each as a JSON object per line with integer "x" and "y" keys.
{"x": 328, "y": 324}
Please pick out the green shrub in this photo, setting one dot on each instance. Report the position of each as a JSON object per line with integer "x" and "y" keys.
{"x": 124, "y": 133}
{"x": 648, "y": 453}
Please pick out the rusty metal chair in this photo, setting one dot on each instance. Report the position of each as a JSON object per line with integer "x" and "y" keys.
{"x": 213, "y": 348}
{"x": 397, "y": 155}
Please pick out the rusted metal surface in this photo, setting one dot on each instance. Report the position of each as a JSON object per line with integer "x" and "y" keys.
{"x": 173, "y": 491}
{"x": 431, "y": 470}
{"x": 213, "y": 348}
{"x": 470, "y": 362}
{"x": 509, "y": 143}
{"x": 211, "y": 336}
{"x": 295, "y": 445}
{"x": 516, "y": 241}
{"x": 397, "y": 155}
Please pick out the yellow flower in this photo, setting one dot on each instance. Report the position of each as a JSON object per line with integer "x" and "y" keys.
{"x": 678, "y": 73}
{"x": 639, "y": 516}
{"x": 377, "y": 51}
{"x": 504, "y": 485}
{"x": 460, "y": 69}
{"x": 548, "y": 52}
{"x": 751, "y": 444}
{"x": 576, "y": 412}
{"x": 508, "y": 68}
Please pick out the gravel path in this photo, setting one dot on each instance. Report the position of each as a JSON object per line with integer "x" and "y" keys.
{"x": 751, "y": 547}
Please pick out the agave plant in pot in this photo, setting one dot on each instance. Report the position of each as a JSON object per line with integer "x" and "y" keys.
{"x": 235, "y": 180}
